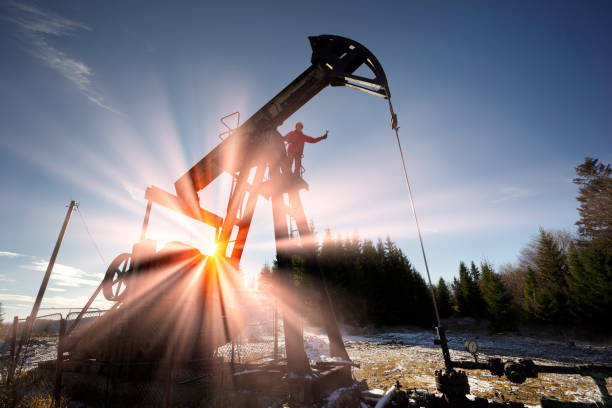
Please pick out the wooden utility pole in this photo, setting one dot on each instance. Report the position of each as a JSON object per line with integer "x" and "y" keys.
{"x": 27, "y": 330}
{"x": 45, "y": 281}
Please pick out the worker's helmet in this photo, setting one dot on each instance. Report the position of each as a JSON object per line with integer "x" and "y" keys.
{"x": 299, "y": 126}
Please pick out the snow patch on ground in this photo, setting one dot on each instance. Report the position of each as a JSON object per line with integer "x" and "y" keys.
{"x": 480, "y": 385}
{"x": 376, "y": 391}
{"x": 502, "y": 345}
{"x": 411, "y": 357}
{"x": 398, "y": 367}
{"x": 333, "y": 397}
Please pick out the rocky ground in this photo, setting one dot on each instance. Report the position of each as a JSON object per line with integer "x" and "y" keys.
{"x": 408, "y": 355}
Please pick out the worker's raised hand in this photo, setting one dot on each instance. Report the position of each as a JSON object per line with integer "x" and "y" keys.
{"x": 325, "y": 135}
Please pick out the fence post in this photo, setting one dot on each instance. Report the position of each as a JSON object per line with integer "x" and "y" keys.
{"x": 275, "y": 328}
{"x": 12, "y": 343}
{"x": 57, "y": 391}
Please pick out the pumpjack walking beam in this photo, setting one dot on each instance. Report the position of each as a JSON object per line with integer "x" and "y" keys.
{"x": 334, "y": 59}
{"x": 257, "y": 144}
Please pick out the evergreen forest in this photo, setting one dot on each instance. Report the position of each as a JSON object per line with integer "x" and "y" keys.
{"x": 560, "y": 278}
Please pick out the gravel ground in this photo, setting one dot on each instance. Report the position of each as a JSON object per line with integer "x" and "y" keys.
{"x": 410, "y": 357}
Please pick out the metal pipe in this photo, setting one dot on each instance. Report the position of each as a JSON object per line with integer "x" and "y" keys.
{"x": 86, "y": 307}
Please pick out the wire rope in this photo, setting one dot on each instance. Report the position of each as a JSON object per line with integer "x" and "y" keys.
{"x": 395, "y": 127}
{"x": 93, "y": 241}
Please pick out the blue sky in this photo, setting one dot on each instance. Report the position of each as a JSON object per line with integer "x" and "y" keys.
{"x": 497, "y": 102}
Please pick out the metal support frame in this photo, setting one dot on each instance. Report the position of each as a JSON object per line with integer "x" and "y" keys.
{"x": 257, "y": 144}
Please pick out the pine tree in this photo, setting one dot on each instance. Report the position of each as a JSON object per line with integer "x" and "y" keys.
{"x": 371, "y": 264}
{"x": 546, "y": 293}
{"x": 530, "y": 302}
{"x": 265, "y": 281}
{"x": 474, "y": 272}
{"x": 455, "y": 292}
{"x": 499, "y": 306}
{"x": 369, "y": 283}
{"x": 590, "y": 259}
{"x": 353, "y": 263}
{"x": 552, "y": 268}
{"x": 462, "y": 290}
{"x": 595, "y": 198}
{"x": 467, "y": 291}
{"x": 355, "y": 287}
{"x": 443, "y": 299}
{"x": 333, "y": 264}
{"x": 328, "y": 257}
{"x": 392, "y": 265}
{"x": 590, "y": 284}
{"x": 475, "y": 299}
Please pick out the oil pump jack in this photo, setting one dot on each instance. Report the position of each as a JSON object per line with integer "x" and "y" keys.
{"x": 254, "y": 155}
{"x": 257, "y": 147}
{"x": 170, "y": 306}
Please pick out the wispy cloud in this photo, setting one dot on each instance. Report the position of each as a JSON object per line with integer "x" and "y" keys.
{"x": 75, "y": 301}
{"x": 56, "y": 289}
{"x": 134, "y": 192}
{"x": 9, "y": 297}
{"x": 64, "y": 275}
{"x": 16, "y": 307}
{"x": 512, "y": 193}
{"x": 24, "y": 302}
{"x": 37, "y": 25}
{"x": 3, "y": 278}
{"x": 9, "y": 254}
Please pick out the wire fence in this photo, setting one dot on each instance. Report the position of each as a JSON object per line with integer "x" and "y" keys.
{"x": 260, "y": 341}
{"x": 26, "y": 344}
{"x": 48, "y": 343}
{"x": 81, "y": 320}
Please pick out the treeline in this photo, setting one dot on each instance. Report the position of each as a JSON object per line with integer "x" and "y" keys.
{"x": 565, "y": 279}
{"x": 478, "y": 292}
{"x": 374, "y": 283}
{"x": 560, "y": 278}
{"x": 368, "y": 283}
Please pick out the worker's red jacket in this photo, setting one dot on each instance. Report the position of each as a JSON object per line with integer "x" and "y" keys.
{"x": 296, "y": 141}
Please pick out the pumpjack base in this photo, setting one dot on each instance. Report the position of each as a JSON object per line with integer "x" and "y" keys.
{"x": 239, "y": 385}
{"x": 299, "y": 391}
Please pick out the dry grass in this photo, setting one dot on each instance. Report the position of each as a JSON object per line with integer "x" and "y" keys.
{"x": 413, "y": 366}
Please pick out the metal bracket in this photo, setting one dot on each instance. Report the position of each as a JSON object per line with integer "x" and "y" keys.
{"x": 230, "y": 129}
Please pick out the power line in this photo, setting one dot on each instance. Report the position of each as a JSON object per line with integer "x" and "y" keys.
{"x": 90, "y": 236}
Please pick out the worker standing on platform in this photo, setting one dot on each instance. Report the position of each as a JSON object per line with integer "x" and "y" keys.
{"x": 295, "y": 146}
